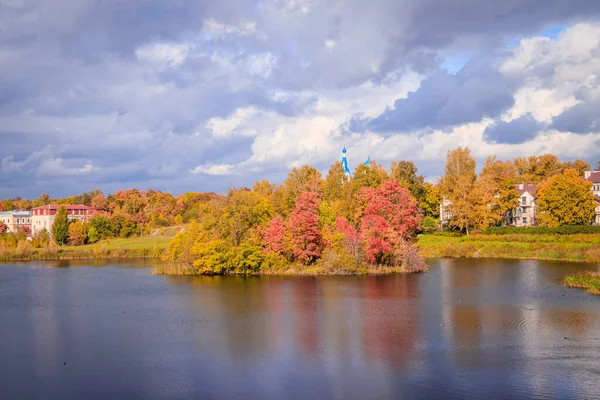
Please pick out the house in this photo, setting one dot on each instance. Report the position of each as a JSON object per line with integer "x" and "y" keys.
{"x": 16, "y": 221}
{"x": 43, "y": 217}
{"x": 524, "y": 214}
{"x": 594, "y": 178}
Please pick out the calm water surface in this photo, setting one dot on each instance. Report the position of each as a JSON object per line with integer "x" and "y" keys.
{"x": 465, "y": 329}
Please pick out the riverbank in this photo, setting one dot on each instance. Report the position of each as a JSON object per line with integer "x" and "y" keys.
{"x": 577, "y": 247}
{"x": 137, "y": 247}
{"x": 588, "y": 280}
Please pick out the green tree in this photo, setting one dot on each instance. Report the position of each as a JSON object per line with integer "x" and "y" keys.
{"x": 407, "y": 175}
{"x": 60, "y": 227}
{"x": 92, "y": 235}
{"x": 430, "y": 201}
{"x": 565, "y": 199}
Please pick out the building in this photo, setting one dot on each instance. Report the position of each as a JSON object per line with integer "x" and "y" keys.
{"x": 524, "y": 214}
{"x": 594, "y": 178}
{"x": 43, "y": 217}
{"x": 16, "y": 221}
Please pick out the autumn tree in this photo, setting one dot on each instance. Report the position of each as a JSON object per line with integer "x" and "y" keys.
{"x": 60, "y": 227}
{"x": 99, "y": 202}
{"x": 3, "y": 227}
{"x": 565, "y": 199}
{"x": 274, "y": 236}
{"x": 372, "y": 175}
{"x": 306, "y": 237}
{"x": 244, "y": 210}
{"x": 334, "y": 182}
{"x": 579, "y": 165}
{"x": 484, "y": 209}
{"x": 407, "y": 175}
{"x": 456, "y": 186}
{"x": 389, "y": 219}
{"x": 430, "y": 201}
{"x": 298, "y": 181}
{"x": 264, "y": 188}
{"x": 43, "y": 200}
{"x": 77, "y": 233}
{"x": 351, "y": 240}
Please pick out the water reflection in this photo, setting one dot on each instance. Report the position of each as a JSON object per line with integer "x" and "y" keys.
{"x": 465, "y": 329}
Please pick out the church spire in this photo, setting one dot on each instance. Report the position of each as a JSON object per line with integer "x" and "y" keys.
{"x": 345, "y": 162}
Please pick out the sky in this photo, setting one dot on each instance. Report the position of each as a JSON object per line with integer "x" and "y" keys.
{"x": 202, "y": 95}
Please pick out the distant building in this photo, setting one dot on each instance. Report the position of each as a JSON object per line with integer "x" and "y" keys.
{"x": 524, "y": 214}
{"x": 43, "y": 217}
{"x": 594, "y": 178}
{"x": 16, "y": 221}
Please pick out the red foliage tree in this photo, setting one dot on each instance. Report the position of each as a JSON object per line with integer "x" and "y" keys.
{"x": 389, "y": 219}
{"x": 3, "y": 228}
{"x": 273, "y": 237}
{"x": 306, "y": 237}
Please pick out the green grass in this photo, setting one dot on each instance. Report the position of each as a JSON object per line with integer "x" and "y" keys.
{"x": 134, "y": 243}
{"x": 149, "y": 246}
{"x": 588, "y": 280}
{"x": 578, "y": 247}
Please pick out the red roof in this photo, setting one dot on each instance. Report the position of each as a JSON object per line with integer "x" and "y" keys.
{"x": 526, "y": 188}
{"x": 594, "y": 177}
{"x": 67, "y": 206}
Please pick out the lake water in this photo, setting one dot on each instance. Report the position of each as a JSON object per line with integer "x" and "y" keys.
{"x": 464, "y": 329}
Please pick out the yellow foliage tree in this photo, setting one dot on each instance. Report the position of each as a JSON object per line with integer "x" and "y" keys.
{"x": 565, "y": 199}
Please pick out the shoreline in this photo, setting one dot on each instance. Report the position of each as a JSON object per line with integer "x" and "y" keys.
{"x": 569, "y": 248}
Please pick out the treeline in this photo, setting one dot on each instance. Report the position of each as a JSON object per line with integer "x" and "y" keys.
{"x": 478, "y": 201}
{"x": 339, "y": 224}
{"x": 124, "y": 213}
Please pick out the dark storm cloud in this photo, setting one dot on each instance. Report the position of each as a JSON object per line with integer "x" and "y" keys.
{"x": 516, "y": 131}
{"x": 581, "y": 118}
{"x": 446, "y": 100}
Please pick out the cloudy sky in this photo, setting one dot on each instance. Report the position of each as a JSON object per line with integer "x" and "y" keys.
{"x": 200, "y": 95}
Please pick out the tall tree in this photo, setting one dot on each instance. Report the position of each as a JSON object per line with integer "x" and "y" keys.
{"x": 456, "y": 186}
{"x": 565, "y": 199}
{"x": 334, "y": 182}
{"x": 244, "y": 211}
{"x": 274, "y": 236}
{"x": 372, "y": 175}
{"x": 60, "y": 227}
{"x": 390, "y": 218}
{"x": 407, "y": 175}
{"x": 298, "y": 181}
{"x": 306, "y": 236}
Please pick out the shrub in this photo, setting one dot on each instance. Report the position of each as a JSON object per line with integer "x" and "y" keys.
{"x": 412, "y": 261}
{"x": 429, "y": 224}
{"x": 540, "y": 230}
{"x": 24, "y": 248}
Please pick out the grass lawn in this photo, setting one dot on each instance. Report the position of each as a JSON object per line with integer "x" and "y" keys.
{"x": 134, "y": 243}
{"x": 578, "y": 247}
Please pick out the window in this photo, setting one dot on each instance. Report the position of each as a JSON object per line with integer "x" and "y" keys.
{"x": 524, "y": 200}
{"x": 524, "y": 220}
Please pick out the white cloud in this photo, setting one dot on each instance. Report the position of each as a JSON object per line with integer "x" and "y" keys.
{"x": 169, "y": 54}
{"x": 221, "y": 30}
{"x": 55, "y": 167}
{"x": 261, "y": 64}
{"x": 213, "y": 169}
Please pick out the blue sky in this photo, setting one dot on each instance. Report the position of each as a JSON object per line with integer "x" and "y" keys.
{"x": 195, "y": 95}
